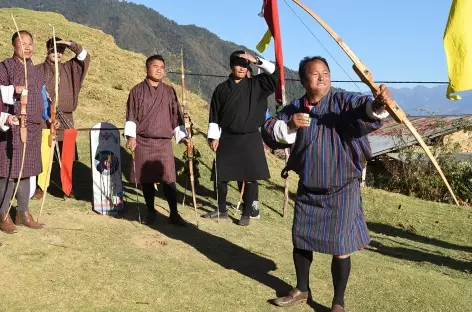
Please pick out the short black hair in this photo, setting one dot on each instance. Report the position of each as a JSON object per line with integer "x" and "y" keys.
{"x": 236, "y": 53}
{"x": 23, "y": 32}
{"x": 50, "y": 43}
{"x": 154, "y": 58}
{"x": 236, "y": 60}
{"x": 304, "y": 63}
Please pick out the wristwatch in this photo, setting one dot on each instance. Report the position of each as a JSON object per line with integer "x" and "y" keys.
{"x": 258, "y": 61}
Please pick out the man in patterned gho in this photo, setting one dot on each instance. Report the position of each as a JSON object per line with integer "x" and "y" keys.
{"x": 328, "y": 131}
{"x": 236, "y": 113}
{"x": 7, "y": 121}
{"x": 12, "y": 86}
{"x": 153, "y": 117}
{"x": 72, "y": 74}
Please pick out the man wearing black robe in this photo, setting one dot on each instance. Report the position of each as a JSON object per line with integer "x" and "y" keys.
{"x": 237, "y": 111}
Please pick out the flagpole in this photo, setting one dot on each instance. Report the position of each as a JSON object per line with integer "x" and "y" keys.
{"x": 271, "y": 15}
{"x": 287, "y": 155}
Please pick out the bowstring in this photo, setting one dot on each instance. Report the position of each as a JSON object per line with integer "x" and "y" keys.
{"x": 311, "y": 32}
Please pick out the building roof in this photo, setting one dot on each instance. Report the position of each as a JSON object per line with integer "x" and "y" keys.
{"x": 392, "y": 135}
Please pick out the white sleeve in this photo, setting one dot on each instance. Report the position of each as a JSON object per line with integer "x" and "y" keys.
{"x": 266, "y": 66}
{"x": 373, "y": 115}
{"x": 130, "y": 129}
{"x": 32, "y": 186}
{"x": 7, "y": 94}
{"x": 214, "y": 131}
{"x": 282, "y": 134}
{"x": 3, "y": 120}
{"x": 82, "y": 55}
{"x": 179, "y": 133}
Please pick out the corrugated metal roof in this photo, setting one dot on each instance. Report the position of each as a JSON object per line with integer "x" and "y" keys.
{"x": 461, "y": 157}
{"x": 393, "y": 134}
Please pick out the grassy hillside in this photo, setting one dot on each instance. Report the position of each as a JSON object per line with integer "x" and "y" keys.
{"x": 419, "y": 259}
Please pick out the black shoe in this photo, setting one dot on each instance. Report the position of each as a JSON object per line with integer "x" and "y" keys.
{"x": 71, "y": 195}
{"x": 214, "y": 215}
{"x": 176, "y": 219}
{"x": 244, "y": 221}
{"x": 255, "y": 211}
{"x": 150, "y": 218}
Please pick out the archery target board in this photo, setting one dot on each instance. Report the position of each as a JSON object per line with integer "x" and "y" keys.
{"x": 106, "y": 169}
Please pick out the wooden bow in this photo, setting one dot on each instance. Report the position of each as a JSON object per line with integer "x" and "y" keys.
{"x": 22, "y": 118}
{"x": 52, "y": 141}
{"x": 188, "y": 127}
{"x": 392, "y": 107}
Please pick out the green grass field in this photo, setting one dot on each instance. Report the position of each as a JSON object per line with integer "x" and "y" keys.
{"x": 420, "y": 258}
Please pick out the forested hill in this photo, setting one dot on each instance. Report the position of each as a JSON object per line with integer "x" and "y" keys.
{"x": 140, "y": 29}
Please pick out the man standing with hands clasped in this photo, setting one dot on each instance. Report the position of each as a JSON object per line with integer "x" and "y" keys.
{"x": 153, "y": 117}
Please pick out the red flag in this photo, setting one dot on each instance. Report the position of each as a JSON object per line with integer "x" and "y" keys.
{"x": 67, "y": 159}
{"x": 271, "y": 15}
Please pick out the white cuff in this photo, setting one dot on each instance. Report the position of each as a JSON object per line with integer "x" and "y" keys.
{"x": 3, "y": 120}
{"x": 82, "y": 55}
{"x": 179, "y": 133}
{"x": 130, "y": 129}
{"x": 214, "y": 131}
{"x": 7, "y": 94}
{"x": 373, "y": 115}
{"x": 282, "y": 134}
{"x": 266, "y": 66}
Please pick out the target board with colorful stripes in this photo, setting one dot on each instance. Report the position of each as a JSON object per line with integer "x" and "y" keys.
{"x": 106, "y": 169}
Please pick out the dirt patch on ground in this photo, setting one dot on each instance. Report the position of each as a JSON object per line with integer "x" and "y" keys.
{"x": 464, "y": 138}
{"x": 151, "y": 241}
{"x": 52, "y": 239}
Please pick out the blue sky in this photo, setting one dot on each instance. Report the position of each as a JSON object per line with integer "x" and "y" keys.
{"x": 397, "y": 40}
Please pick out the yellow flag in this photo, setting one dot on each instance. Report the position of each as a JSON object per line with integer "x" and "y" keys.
{"x": 45, "y": 151}
{"x": 458, "y": 48}
{"x": 264, "y": 43}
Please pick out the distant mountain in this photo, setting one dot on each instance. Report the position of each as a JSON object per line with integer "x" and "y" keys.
{"x": 424, "y": 101}
{"x": 140, "y": 29}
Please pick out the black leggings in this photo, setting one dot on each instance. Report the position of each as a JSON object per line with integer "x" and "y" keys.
{"x": 170, "y": 193}
{"x": 340, "y": 270}
{"x": 240, "y": 186}
{"x": 249, "y": 195}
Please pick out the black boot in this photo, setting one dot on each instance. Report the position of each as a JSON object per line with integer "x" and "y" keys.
{"x": 244, "y": 221}
{"x": 214, "y": 215}
{"x": 176, "y": 219}
{"x": 150, "y": 218}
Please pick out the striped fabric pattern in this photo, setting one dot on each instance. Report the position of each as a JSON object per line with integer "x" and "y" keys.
{"x": 330, "y": 222}
{"x": 11, "y": 148}
{"x": 329, "y": 157}
{"x": 156, "y": 113}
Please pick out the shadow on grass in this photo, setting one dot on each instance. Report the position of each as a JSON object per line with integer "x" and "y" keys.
{"x": 219, "y": 250}
{"x": 389, "y": 230}
{"x": 410, "y": 254}
{"x": 81, "y": 182}
{"x": 182, "y": 180}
